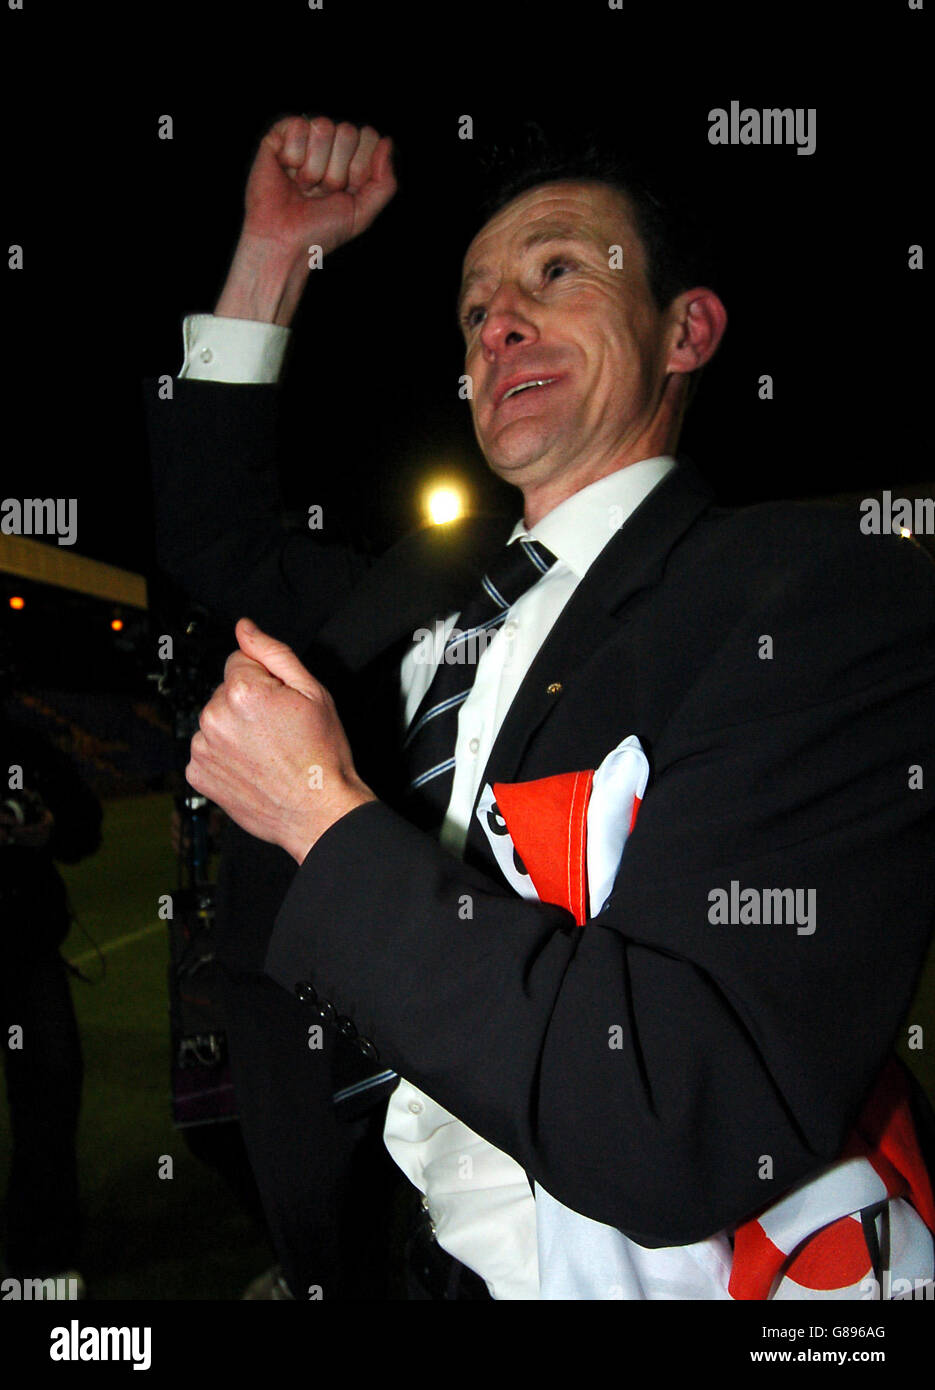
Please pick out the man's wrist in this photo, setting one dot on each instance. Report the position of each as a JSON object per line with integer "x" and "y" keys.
{"x": 307, "y": 834}
{"x": 265, "y": 282}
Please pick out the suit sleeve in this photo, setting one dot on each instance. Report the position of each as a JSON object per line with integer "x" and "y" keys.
{"x": 220, "y": 532}
{"x": 661, "y": 1070}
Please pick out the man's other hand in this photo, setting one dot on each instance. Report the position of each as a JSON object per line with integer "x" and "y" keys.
{"x": 271, "y": 750}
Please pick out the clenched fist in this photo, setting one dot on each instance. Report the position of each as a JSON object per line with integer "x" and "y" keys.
{"x": 271, "y": 750}
{"x": 315, "y": 182}
{"x": 312, "y": 184}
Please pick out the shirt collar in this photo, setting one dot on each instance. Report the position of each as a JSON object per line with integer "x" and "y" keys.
{"x": 577, "y": 530}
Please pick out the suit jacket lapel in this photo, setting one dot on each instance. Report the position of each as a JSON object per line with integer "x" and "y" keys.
{"x": 631, "y": 561}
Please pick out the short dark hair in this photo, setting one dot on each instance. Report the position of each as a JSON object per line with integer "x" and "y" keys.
{"x": 678, "y": 253}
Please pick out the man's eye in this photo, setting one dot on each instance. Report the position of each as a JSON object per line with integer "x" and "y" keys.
{"x": 556, "y": 263}
{"x": 474, "y": 316}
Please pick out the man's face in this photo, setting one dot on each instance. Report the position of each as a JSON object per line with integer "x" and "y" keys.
{"x": 543, "y": 300}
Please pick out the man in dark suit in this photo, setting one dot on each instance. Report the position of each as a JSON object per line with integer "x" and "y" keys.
{"x": 666, "y": 1071}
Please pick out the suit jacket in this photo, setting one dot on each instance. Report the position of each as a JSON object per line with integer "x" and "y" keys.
{"x": 778, "y": 667}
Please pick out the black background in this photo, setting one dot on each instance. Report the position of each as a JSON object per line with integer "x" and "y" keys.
{"x": 124, "y": 233}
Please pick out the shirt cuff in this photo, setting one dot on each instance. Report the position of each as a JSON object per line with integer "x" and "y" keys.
{"x": 232, "y": 350}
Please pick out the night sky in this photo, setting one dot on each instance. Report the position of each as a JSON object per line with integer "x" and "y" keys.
{"x": 124, "y": 234}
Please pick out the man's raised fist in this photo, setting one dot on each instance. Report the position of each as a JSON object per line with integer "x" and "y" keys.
{"x": 314, "y": 182}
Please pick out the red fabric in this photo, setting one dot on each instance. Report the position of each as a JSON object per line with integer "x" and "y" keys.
{"x": 885, "y": 1134}
{"x": 836, "y": 1257}
{"x": 756, "y": 1260}
{"x": 548, "y": 824}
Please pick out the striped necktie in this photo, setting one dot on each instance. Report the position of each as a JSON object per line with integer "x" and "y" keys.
{"x": 429, "y": 749}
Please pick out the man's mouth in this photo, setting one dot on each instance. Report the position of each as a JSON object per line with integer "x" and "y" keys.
{"x": 531, "y": 384}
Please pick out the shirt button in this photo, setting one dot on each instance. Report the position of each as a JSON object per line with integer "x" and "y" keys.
{"x": 474, "y": 745}
{"x": 206, "y": 355}
{"x": 510, "y": 627}
{"x": 416, "y": 1107}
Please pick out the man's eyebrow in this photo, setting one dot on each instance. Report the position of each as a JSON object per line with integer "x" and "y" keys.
{"x": 555, "y": 231}
{"x": 552, "y": 231}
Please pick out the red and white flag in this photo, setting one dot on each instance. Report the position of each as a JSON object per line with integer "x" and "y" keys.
{"x": 560, "y": 840}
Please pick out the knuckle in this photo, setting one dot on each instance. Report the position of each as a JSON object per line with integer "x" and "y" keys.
{"x": 240, "y": 690}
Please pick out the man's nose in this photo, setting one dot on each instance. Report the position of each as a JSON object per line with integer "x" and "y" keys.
{"x": 505, "y": 324}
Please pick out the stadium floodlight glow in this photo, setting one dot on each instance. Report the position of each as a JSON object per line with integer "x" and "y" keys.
{"x": 17, "y": 602}
{"x": 443, "y": 504}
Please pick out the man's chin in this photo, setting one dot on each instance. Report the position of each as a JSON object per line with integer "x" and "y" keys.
{"x": 512, "y": 458}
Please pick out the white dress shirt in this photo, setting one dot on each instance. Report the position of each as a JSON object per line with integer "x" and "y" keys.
{"x": 479, "y": 1198}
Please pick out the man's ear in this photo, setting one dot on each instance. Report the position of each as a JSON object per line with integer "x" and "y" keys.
{"x": 698, "y": 323}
